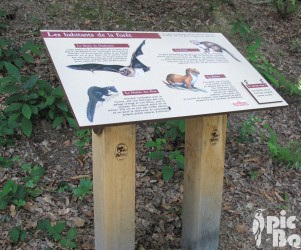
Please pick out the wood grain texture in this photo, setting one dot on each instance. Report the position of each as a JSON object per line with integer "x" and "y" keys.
{"x": 114, "y": 153}
{"x": 203, "y": 181}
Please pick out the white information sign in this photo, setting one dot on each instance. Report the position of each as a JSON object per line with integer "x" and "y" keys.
{"x": 121, "y": 77}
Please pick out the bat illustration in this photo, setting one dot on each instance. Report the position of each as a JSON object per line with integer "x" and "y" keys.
{"x": 136, "y": 68}
{"x": 96, "y": 94}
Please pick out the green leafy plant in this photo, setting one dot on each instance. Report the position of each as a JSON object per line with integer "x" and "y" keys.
{"x": 34, "y": 176}
{"x": 167, "y": 173}
{"x": 241, "y": 27}
{"x": 12, "y": 193}
{"x": 63, "y": 186}
{"x": 286, "y": 197}
{"x": 253, "y": 175}
{"x": 5, "y": 218}
{"x": 285, "y": 201}
{"x": 270, "y": 73}
{"x": 17, "y": 55}
{"x": 260, "y": 62}
{"x": 83, "y": 189}
{"x": 53, "y": 231}
{"x": 8, "y": 162}
{"x": 18, "y": 194}
{"x": 6, "y": 130}
{"x": 26, "y": 97}
{"x": 247, "y": 129}
{"x": 2, "y": 16}
{"x": 158, "y": 153}
{"x": 289, "y": 154}
{"x": 83, "y": 140}
{"x": 295, "y": 45}
{"x": 173, "y": 132}
{"x": 36, "y": 24}
{"x": 175, "y": 129}
{"x": 178, "y": 157}
{"x": 285, "y": 7}
{"x": 17, "y": 235}
{"x": 56, "y": 232}
{"x": 69, "y": 240}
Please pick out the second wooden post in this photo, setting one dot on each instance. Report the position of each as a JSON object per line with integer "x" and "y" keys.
{"x": 203, "y": 181}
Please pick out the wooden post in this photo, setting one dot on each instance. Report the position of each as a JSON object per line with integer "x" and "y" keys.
{"x": 114, "y": 153}
{"x": 203, "y": 181}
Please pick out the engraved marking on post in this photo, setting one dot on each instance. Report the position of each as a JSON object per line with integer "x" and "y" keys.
{"x": 121, "y": 151}
{"x": 215, "y": 136}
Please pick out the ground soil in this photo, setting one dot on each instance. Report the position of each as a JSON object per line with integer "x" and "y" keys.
{"x": 252, "y": 179}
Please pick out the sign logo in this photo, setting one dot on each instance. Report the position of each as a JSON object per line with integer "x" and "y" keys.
{"x": 275, "y": 226}
{"x": 240, "y": 103}
{"x": 215, "y": 136}
{"x": 121, "y": 151}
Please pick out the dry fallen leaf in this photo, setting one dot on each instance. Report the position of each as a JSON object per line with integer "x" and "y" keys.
{"x": 29, "y": 207}
{"x": 140, "y": 168}
{"x": 227, "y": 208}
{"x": 81, "y": 160}
{"x": 170, "y": 237}
{"x": 12, "y": 210}
{"x": 79, "y": 222}
{"x": 254, "y": 160}
{"x": 80, "y": 177}
{"x": 49, "y": 243}
{"x": 31, "y": 224}
{"x": 67, "y": 143}
{"x": 145, "y": 179}
{"x": 241, "y": 228}
{"x": 161, "y": 225}
{"x": 278, "y": 196}
{"x": 48, "y": 200}
{"x": 268, "y": 197}
{"x": 63, "y": 211}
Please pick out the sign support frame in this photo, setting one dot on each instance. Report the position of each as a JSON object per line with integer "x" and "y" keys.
{"x": 114, "y": 156}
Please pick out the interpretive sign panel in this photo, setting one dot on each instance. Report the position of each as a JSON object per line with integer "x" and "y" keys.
{"x": 120, "y": 77}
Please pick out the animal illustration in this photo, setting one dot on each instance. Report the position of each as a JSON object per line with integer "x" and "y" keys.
{"x": 136, "y": 68}
{"x": 206, "y": 46}
{"x": 258, "y": 226}
{"x": 96, "y": 94}
{"x": 186, "y": 81}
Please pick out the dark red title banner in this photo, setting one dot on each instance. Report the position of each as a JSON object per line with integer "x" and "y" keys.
{"x": 87, "y": 34}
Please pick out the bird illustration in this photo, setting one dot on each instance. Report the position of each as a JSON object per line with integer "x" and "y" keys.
{"x": 136, "y": 68}
{"x": 258, "y": 226}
